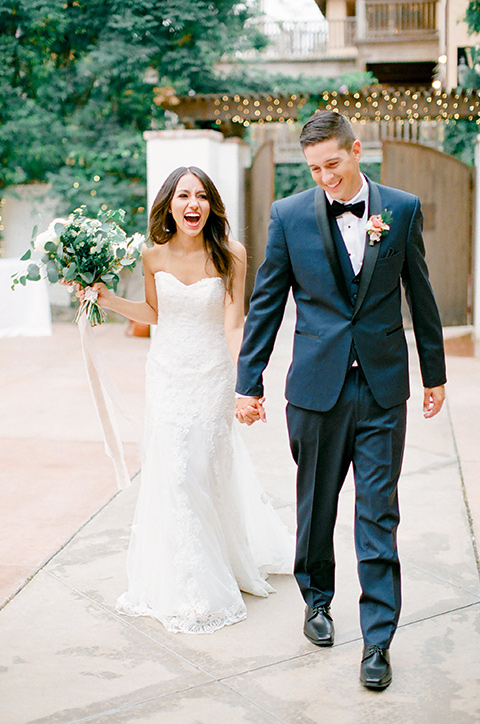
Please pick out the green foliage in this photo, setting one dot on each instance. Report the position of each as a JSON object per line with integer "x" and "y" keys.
{"x": 459, "y": 140}
{"x": 291, "y": 178}
{"x": 81, "y": 80}
{"x": 247, "y": 80}
{"x": 372, "y": 169}
{"x": 472, "y": 16}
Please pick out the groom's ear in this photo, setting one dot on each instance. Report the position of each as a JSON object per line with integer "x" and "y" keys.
{"x": 357, "y": 150}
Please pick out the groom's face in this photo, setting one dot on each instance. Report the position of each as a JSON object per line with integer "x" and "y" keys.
{"x": 335, "y": 169}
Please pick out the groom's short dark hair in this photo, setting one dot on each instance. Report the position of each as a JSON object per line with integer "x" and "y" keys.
{"x": 323, "y": 126}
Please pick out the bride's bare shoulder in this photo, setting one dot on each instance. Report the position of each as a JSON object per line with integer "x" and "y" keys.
{"x": 153, "y": 254}
{"x": 237, "y": 249}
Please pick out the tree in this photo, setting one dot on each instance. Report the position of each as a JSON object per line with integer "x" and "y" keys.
{"x": 82, "y": 79}
{"x": 472, "y": 16}
{"x": 459, "y": 137}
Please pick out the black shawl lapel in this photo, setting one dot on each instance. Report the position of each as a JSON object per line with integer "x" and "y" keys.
{"x": 328, "y": 242}
{"x": 371, "y": 252}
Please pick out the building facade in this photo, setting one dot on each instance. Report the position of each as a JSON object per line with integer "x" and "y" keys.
{"x": 402, "y": 43}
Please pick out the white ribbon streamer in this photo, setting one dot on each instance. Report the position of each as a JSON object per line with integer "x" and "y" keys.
{"x": 106, "y": 397}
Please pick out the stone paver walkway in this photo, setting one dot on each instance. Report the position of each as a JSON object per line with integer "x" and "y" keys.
{"x": 66, "y": 656}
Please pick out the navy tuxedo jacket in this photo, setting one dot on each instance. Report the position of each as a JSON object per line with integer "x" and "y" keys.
{"x": 305, "y": 253}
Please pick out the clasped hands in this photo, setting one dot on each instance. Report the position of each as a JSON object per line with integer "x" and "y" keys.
{"x": 250, "y": 409}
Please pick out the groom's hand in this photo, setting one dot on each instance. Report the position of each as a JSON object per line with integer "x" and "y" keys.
{"x": 433, "y": 398}
{"x": 250, "y": 409}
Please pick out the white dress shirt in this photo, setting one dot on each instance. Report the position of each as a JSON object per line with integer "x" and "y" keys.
{"x": 353, "y": 229}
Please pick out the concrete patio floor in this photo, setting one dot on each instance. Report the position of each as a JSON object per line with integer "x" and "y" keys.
{"x": 67, "y": 656}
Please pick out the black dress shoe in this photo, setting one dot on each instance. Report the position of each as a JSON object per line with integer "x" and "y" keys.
{"x": 318, "y": 626}
{"x": 375, "y": 669}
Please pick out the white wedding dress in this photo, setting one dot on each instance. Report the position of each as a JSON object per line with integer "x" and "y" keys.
{"x": 203, "y": 528}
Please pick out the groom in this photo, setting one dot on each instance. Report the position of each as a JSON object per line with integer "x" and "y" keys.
{"x": 348, "y": 382}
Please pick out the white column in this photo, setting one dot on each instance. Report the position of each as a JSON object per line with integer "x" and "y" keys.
{"x": 224, "y": 160}
{"x": 476, "y": 250}
{"x": 361, "y": 16}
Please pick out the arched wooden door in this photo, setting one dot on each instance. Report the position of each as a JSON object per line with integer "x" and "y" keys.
{"x": 445, "y": 188}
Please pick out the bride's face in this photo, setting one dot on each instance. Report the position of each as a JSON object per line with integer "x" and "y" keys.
{"x": 189, "y": 206}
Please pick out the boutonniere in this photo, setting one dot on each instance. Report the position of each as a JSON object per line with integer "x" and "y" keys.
{"x": 378, "y": 225}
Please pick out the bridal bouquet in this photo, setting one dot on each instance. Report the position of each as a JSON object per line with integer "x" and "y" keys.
{"x": 81, "y": 250}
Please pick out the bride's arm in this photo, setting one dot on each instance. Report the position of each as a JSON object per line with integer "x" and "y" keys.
{"x": 234, "y": 309}
{"x": 145, "y": 312}
{"x": 249, "y": 409}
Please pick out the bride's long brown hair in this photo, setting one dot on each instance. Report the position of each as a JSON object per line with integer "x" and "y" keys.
{"x": 162, "y": 226}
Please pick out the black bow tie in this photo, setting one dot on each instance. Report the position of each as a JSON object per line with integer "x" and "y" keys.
{"x": 337, "y": 209}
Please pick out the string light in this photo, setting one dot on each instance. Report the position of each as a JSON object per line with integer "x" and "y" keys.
{"x": 373, "y": 104}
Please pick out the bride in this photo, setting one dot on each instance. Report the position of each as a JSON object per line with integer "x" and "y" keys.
{"x": 203, "y": 529}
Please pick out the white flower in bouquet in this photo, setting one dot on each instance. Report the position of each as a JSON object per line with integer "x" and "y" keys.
{"x": 49, "y": 235}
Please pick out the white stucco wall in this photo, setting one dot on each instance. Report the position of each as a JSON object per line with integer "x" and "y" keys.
{"x": 24, "y": 207}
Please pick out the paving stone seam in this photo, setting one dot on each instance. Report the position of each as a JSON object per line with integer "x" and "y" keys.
{"x": 430, "y": 467}
{"x": 348, "y": 642}
{"x": 123, "y": 620}
{"x": 131, "y": 707}
{"x": 464, "y": 490}
{"x": 42, "y": 565}
{"x": 439, "y": 614}
{"x": 409, "y": 562}
{"x": 254, "y": 703}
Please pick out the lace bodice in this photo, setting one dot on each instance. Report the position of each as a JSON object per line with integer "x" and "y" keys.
{"x": 190, "y": 317}
{"x": 189, "y": 368}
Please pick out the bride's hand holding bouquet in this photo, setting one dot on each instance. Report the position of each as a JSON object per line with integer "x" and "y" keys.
{"x": 104, "y": 297}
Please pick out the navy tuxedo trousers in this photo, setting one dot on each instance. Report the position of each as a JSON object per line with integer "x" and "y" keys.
{"x": 324, "y": 444}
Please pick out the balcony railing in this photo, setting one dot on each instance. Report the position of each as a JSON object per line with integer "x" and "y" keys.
{"x": 375, "y": 20}
{"x": 301, "y": 40}
{"x": 397, "y": 18}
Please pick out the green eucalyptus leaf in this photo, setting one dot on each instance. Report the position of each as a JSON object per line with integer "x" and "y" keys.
{"x": 70, "y": 272}
{"x": 23, "y": 281}
{"x": 52, "y": 274}
{"x": 33, "y": 273}
{"x": 87, "y": 277}
{"x": 34, "y": 232}
{"x": 50, "y": 247}
{"x": 120, "y": 253}
{"x": 27, "y": 255}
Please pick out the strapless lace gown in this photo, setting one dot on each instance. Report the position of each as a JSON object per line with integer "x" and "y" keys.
{"x": 203, "y": 528}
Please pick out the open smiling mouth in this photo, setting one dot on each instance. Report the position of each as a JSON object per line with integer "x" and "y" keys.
{"x": 192, "y": 218}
